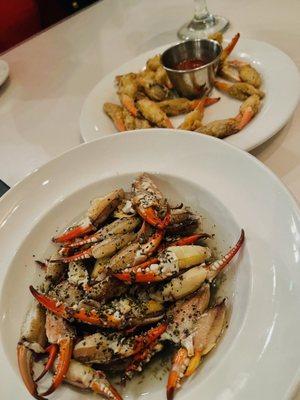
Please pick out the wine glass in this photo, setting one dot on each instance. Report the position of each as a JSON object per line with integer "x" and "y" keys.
{"x": 203, "y": 24}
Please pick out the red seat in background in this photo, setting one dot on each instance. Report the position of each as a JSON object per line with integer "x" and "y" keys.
{"x": 19, "y": 19}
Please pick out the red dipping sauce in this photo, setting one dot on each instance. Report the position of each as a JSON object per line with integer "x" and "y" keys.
{"x": 190, "y": 64}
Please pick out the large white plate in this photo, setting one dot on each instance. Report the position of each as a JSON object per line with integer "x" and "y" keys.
{"x": 280, "y": 82}
{"x": 259, "y": 355}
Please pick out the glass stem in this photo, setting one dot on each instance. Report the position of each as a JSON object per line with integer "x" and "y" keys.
{"x": 201, "y": 11}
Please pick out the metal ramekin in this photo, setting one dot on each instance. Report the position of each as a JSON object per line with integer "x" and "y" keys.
{"x": 197, "y": 82}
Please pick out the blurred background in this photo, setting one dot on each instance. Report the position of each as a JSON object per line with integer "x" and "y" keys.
{"x": 20, "y": 19}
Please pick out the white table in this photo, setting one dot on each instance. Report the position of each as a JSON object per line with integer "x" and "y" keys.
{"x": 52, "y": 73}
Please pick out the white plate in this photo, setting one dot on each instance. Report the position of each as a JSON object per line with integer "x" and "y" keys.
{"x": 259, "y": 355}
{"x": 4, "y": 71}
{"x": 281, "y": 84}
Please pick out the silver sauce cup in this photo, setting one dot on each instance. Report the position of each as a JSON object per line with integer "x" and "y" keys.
{"x": 196, "y": 82}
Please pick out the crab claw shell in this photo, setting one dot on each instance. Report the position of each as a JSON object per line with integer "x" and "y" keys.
{"x": 85, "y": 377}
{"x": 83, "y": 228}
{"x": 172, "y": 261}
{"x": 64, "y": 357}
{"x": 25, "y": 360}
{"x": 66, "y": 312}
{"x": 205, "y": 334}
{"x": 99, "y": 348}
{"x": 104, "y": 249}
{"x": 97, "y": 213}
{"x": 178, "y": 367}
{"x": 182, "y": 285}
{"x": 101, "y": 208}
{"x": 52, "y": 350}
{"x": 216, "y": 267}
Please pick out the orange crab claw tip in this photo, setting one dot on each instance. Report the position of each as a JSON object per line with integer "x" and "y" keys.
{"x": 72, "y": 234}
{"x": 246, "y": 118}
{"x": 171, "y": 385}
{"x": 123, "y": 277}
{"x": 52, "y": 351}
{"x": 25, "y": 367}
{"x": 169, "y": 124}
{"x": 65, "y": 353}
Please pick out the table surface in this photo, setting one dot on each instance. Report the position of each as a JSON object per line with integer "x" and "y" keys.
{"x": 52, "y": 73}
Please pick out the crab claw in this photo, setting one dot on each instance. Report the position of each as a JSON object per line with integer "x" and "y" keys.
{"x": 136, "y": 275}
{"x": 60, "y": 309}
{"x": 106, "y": 389}
{"x": 217, "y": 266}
{"x": 149, "y": 337}
{"x": 64, "y": 357}
{"x": 25, "y": 367}
{"x": 81, "y": 255}
{"x": 150, "y": 215}
{"x": 170, "y": 262}
{"x": 178, "y": 368}
{"x": 74, "y": 232}
{"x": 128, "y": 103}
{"x": 190, "y": 239}
{"x": 52, "y": 350}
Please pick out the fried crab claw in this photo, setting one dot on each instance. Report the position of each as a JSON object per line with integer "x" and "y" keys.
{"x": 150, "y": 203}
{"x": 97, "y": 213}
{"x": 198, "y": 342}
{"x": 240, "y": 90}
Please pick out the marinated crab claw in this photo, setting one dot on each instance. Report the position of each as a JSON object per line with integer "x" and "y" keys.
{"x": 142, "y": 358}
{"x": 186, "y": 240}
{"x": 119, "y": 313}
{"x": 240, "y": 90}
{"x": 200, "y": 341}
{"x": 248, "y": 109}
{"x": 100, "y": 348}
{"x": 115, "y": 113}
{"x": 135, "y": 253}
{"x": 85, "y": 377}
{"x": 61, "y": 336}
{"x": 25, "y": 361}
{"x": 32, "y": 340}
{"x": 170, "y": 262}
{"x": 52, "y": 350}
{"x": 97, "y": 213}
{"x": 153, "y": 113}
{"x": 176, "y": 259}
{"x": 150, "y": 203}
{"x": 106, "y": 248}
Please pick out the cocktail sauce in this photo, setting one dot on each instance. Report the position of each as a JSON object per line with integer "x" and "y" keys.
{"x": 190, "y": 64}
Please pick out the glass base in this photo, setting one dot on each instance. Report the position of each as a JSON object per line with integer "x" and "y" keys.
{"x": 199, "y": 29}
